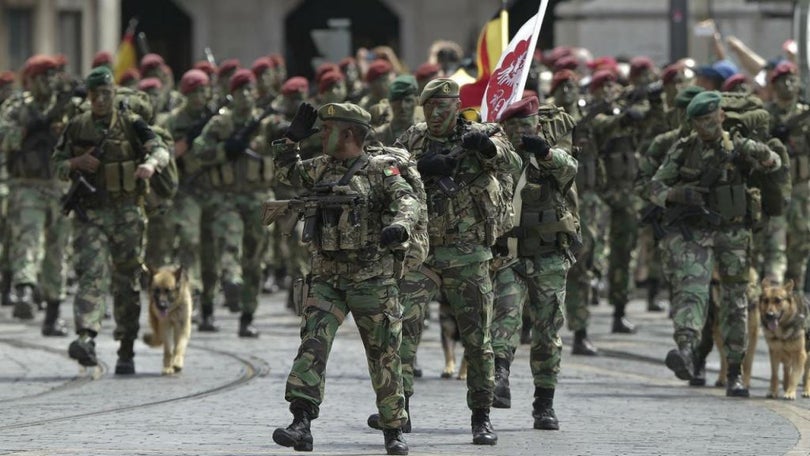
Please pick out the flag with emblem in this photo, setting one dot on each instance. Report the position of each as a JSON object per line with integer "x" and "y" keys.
{"x": 391, "y": 171}
{"x": 508, "y": 79}
{"x": 126, "y": 56}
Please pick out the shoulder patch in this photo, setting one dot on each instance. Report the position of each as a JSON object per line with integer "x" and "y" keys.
{"x": 391, "y": 171}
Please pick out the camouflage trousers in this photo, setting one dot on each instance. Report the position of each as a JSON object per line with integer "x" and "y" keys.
{"x": 186, "y": 218}
{"x": 545, "y": 285}
{"x": 622, "y": 240}
{"x": 159, "y": 236}
{"x": 241, "y": 239}
{"x": 510, "y": 295}
{"x": 38, "y": 237}
{"x": 468, "y": 291}
{"x": 691, "y": 268}
{"x": 413, "y": 322}
{"x": 209, "y": 256}
{"x": 374, "y": 304}
{"x": 109, "y": 246}
{"x": 768, "y": 254}
{"x": 798, "y": 236}
{"x": 578, "y": 285}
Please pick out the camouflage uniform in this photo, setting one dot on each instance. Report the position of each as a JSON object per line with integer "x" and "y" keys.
{"x": 240, "y": 170}
{"x": 112, "y": 232}
{"x": 37, "y": 232}
{"x": 695, "y": 185}
{"x": 463, "y": 227}
{"x": 351, "y": 272}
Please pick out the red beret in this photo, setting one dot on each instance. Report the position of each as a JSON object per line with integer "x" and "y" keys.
{"x": 241, "y": 77}
{"x": 733, "y": 81}
{"x": 131, "y": 74}
{"x": 228, "y": 66}
{"x": 149, "y": 84}
{"x": 192, "y": 79}
{"x": 6, "y": 77}
{"x": 782, "y": 68}
{"x": 568, "y": 62}
{"x": 427, "y": 71}
{"x": 209, "y": 68}
{"x": 150, "y": 62}
{"x": 61, "y": 60}
{"x": 102, "y": 58}
{"x": 324, "y": 68}
{"x": 671, "y": 72}
{"x": 277, "y": 59}
{"x": 377, "y": 69}
{"x": 295, "y": 85}
{"x": 38, "y": 64}
{"x": 639, "y": 65}
{"x": 603, "y": 63}
{"x": 560, "y": 77}
{"x": 346, "y": 61}
{"x": 600, "y": 78}
{"x": 329, "y": 79}
{"x": 522, "y": 108}
{"x": 555, "y": 54}
{"x": 261, "y": 65}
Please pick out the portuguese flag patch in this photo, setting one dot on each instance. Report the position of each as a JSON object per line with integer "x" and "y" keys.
{"x": 391, "y": 171}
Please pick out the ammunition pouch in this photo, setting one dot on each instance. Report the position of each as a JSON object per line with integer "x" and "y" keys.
{"x": 730, "y": 201}
{"x": 548, "y": 234}
{"x": 118, "y": 177}
{"x": 621, "y": 164}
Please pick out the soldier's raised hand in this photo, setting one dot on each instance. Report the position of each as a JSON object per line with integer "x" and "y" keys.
{"x": 536, "y": 145}
{"x": 393, "y": 234}
{"x": 85, "y": 163}
{"x": 301, "y": 126}
{"x": 478, "y": 140}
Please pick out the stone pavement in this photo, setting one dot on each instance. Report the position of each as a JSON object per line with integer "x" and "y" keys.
{"x": 230, "y": 397}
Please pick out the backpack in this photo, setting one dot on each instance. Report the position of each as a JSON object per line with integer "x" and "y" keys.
{"x": 418, "y": 246}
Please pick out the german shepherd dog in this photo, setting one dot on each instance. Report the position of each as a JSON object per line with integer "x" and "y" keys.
{"x": 450, "y": 334}
{"x": 169, "y": 316}
{"x": 783, "y": 325}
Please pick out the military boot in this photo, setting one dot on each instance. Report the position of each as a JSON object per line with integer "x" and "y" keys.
{"x": 374, "y": 419}
{"x": 52, "y": 325}
{"x": 622, "y": 325}
{"x": 297, "y": 434}
{"x": 681, "y": 361}
{"x": 503, "y": 396}
{"x": 395, "y": 442}
{"x": 24, "y": 305}
{"x": 5, "y": 289}
{"x": 233, "y": 296}
{"x": 246, "y": 329}
{"x": 699, "y": 373}
{"x": 543, "y": 410}
{"x": 653, "y": 303}
{"x": 83, "y": 349}
{"x": 126, "y": 358}
{"x": 482, "y": 431}
{"x": 207, "y": 317}
{"x": 734, "y": 384}
{"x": 582, "y": 345}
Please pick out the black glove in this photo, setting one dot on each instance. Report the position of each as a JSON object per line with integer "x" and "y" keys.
{"x": 781, "y": 132}
{"x": 654, "y": 92}
{"x": 537, "y": 146}
{"x": 477, "y": 140}
{"x": 393, "y": 234}
{"x": 301, "y": 126}
{"x": 35, "y": 125}
{"x": 631, "y": 116}
{"x": 688, "y": 195}
{"x": 436, "y": 165}
{"x": 234, "y": 147}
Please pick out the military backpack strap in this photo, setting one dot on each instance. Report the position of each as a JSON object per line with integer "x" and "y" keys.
{"x": 359, "y": 163}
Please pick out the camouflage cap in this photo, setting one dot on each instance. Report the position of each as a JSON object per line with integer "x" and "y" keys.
{"x": 402, "y": 86}
{"x": 345, "y": 112}
{"x": 101, "y": 75}
{"x": 704, "y": 103}
{"x": 686, "y": 94}
{"x": 439, "y": 88}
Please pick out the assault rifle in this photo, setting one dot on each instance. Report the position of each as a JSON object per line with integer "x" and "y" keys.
{"x": 248, "y": 130}
{"x": 197, "y": 128}
{"x": 782, "y": 131}
{"x": 80, "y": 188}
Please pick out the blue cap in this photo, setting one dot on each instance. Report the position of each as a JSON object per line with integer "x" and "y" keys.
{"x": 725, "y": 68}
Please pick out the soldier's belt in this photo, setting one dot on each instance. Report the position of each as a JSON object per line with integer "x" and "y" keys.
{"x": 344, "y": 267}
{"x": 471, "y": 236}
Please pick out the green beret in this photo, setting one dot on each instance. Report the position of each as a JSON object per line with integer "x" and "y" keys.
{"x": 99, "y": 76}
{"x": 704, "y": 103}
{"x": 345, "y": 112}
{"x": 685, "y": 95}
{"x": 402, "y": 86}
{"x": 439, "y": 88}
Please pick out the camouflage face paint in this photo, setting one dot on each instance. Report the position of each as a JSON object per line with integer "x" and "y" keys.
{"x": 42, "y": 84}
{"x": 243, "y": 98}
{"x": 330, "y": 137}
{"x": 786, "y": 87}
{"x": 335, "y": 94}
{"x": 101, "y": 100}
{"x": 404, "y": 108}
{"x": 710, "y": 126}
{"x": 518, "y": 127}
{"x": 197, "y": 99}
{"x": 440, "y": 115}
{"x": 566, "y": 93}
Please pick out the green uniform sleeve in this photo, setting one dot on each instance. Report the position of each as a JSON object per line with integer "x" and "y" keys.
{"x": 561, "y": 165}
{"x": 505, "y": 159}
{"x": 665, "y": 178}
{"x": 60, "y": 166}
{"x": 209, "y": 147}
{"x": 403, "y": 203}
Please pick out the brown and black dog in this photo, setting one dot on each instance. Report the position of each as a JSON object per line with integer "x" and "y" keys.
{"x": 782, "y": 318}
{"x": 450, "y": 335}
{"x": 169, "y": 316}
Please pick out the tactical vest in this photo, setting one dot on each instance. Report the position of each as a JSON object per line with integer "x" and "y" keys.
{"x": 33, "y": 160}
{"x": 619, "y": 158}
{"x": 798, "y": 150}
{"x": 245, "y": 174}
{"x": 115, "y": 178}
{"x": 729, "y": 198}
{"x": 545, "y": 222}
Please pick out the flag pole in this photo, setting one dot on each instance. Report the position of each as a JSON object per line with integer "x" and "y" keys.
{"x": 504, "y": 25}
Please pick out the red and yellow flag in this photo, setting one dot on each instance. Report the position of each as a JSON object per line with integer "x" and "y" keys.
{"x": 491, "y": 42}
{"x": 126, "y": 56}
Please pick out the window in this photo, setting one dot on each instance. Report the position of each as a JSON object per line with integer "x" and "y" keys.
{"x": 70, "y": 39}
{"x": 20, "y": 26}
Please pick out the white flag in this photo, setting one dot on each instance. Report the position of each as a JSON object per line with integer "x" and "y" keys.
{"x": 509, "y": 77}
